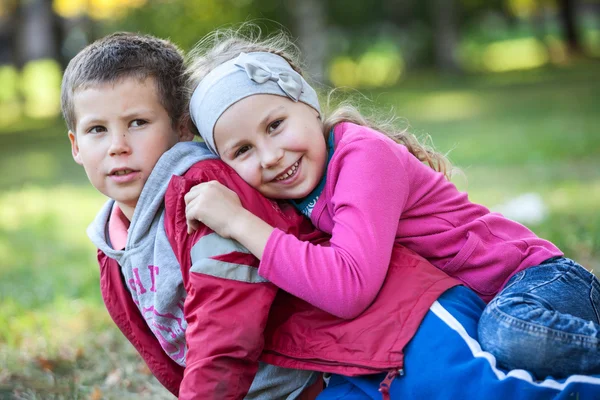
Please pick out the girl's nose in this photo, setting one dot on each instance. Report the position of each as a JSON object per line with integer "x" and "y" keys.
{"x": 270, "y": 156}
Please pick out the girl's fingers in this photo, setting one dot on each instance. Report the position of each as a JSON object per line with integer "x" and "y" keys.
{"x": 192, "y": 194}
{"x": 192, "y": 226}
{"x": 191, "y": 218}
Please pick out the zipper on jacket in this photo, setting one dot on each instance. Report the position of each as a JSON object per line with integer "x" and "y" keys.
{"x": 336, "y": 363}
{"x": 384, "y": 386}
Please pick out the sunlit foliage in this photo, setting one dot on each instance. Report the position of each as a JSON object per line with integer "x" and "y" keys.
{"x": 97, "y": 9}
{"x": 380, "y": 66}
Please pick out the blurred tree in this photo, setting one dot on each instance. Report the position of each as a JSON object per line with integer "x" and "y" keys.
{"x": 568, "y": 19}
{"x": 308, "y": 23}
{"x": 37, "y": 31}
{"x": 445, "y": 34}
{"x": 7, "y": 27}
{"x": 184, "y": 22}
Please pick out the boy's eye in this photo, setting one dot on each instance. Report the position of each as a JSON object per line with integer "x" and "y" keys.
{"x": 96, "y": 129}
{"x": 274, "y": 125}
{"x": 241, "y": 151}
{"x": 138, "y": 122}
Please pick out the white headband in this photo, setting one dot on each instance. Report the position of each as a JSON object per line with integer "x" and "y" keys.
{"x": 243, "y": 76}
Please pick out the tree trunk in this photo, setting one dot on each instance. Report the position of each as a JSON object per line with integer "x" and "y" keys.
{"x": 568, "y": 17}
{"x": 36, "y": 35}
{"x": 7, "y": 43}
{"x": 309, "y": 23}
{"x": 445, "y": 34}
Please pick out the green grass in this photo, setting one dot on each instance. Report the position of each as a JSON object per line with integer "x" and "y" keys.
{"x": 510, "y": 134}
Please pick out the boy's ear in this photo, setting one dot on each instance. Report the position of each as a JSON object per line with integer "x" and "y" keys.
{"x": 185, "y": 133}
{"x": 75, "y": 148}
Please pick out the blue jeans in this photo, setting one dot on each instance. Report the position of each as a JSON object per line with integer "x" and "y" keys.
{"x": 546, "y": 320}
{"x": 444, "y": 361}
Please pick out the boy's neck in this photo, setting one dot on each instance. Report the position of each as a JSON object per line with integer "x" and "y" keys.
{"x": 127, "y": 211}
{"x": 118, "y": 227}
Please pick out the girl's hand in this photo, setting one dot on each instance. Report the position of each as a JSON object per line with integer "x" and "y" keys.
{"x": 215, "y": 205}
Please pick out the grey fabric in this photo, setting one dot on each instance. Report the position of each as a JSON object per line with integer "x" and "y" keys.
{"x": 279, "y": 383}
{"x": 289, "y": 82}
{"x": 153, "y": 276}
{"x": 213, "y": 245}
{"x": 243, "y": 76}
{"x": 225, "y": 270}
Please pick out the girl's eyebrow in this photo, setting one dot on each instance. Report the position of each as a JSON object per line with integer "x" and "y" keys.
{"x": 231, "y": 149}
{"x": 269, "y": 116}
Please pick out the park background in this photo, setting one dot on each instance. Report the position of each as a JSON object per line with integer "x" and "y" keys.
{"x": 510, "y": 89}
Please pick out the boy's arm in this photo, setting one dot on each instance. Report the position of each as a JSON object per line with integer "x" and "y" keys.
{"x": 227, "y": 303}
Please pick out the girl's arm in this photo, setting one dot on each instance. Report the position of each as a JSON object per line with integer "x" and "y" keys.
{"x": 369, "y": 190}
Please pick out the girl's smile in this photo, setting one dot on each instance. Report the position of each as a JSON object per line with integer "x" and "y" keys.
{"x": 288, "y": 175}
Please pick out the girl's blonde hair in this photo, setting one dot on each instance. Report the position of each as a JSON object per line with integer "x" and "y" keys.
{"x": 225, "y": 44}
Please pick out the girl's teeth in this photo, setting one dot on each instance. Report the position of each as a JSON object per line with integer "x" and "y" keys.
{"x": 289, "y": 172}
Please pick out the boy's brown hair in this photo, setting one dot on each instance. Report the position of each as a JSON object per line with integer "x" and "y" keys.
{"x": 124, "y": 55}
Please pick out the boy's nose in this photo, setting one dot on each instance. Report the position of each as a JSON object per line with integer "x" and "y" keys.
{"x": 119, "y": 144}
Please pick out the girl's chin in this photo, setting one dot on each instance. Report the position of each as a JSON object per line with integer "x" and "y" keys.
{"x": 293, "y": 193}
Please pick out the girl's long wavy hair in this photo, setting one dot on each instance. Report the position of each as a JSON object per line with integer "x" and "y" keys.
{"x": 225, "y": 44}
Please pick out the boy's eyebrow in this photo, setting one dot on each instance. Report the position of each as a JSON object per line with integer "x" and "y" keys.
{"x": 90, "y": 120}
{"x": 135, "y": 112}
{"x": 128, "y": 115}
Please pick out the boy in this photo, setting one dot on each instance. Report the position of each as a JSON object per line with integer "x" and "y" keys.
{"x": 123, "y": 99}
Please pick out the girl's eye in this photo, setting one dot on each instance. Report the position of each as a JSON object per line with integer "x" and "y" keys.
{"x": 274, "y": 125}
{"x": 138, "y": 122}
{"x": 96, "y": 129}
{"x": 241, "y": 151}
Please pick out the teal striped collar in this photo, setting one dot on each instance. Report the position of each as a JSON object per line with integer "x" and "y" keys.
{"x": 307, "y": 204}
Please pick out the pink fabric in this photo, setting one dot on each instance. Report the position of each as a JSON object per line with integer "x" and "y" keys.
{"x": 118, "y": 226}
{"x": 378, "y": 194}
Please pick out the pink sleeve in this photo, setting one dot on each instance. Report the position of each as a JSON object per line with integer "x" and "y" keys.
{"x": 368, "y": 188}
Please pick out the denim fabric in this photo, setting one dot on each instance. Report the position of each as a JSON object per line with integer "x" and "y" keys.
{"x": 546, "y": 320}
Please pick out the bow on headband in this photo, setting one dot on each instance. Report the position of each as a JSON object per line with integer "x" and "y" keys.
{"x": 290, "y": 82}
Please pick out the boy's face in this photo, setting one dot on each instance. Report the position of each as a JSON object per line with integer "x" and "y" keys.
{"x": 121, "y": 131}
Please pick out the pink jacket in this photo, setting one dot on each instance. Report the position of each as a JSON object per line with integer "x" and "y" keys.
{"x": 232, "y": 324}
{"x": 377, "y": 196}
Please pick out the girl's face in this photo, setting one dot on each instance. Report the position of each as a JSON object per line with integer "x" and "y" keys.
{"x": 275, "y": 144}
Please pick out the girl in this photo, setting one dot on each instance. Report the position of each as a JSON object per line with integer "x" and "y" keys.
{"x": 373, "y": 189}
